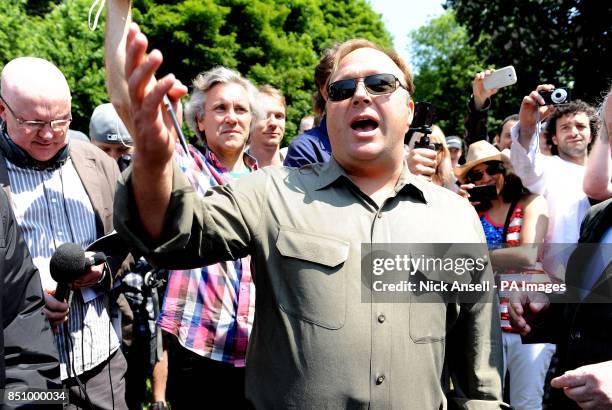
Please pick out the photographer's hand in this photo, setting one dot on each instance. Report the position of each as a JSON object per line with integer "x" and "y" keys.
{"x": 532, "y": 110}
{"x": 422, "y": 162}
{"x": 478, "y": 91}
{"x": 463, "y": 191}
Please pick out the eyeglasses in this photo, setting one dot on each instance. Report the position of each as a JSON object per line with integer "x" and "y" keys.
{"x": 493, "y": 168}
{"x": 37, "y": 125}
{"x": 376, "y": 84}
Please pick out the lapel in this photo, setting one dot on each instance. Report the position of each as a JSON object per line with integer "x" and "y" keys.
{"x": 87, "y": 168}
{"x": 602, "y": 289}
{"x": 591, "y": 232}
{"x": 5, "y": 182}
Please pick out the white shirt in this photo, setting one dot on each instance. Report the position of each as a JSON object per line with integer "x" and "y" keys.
{"x": 559, "y": 181}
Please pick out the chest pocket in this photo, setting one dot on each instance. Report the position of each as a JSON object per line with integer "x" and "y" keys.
{"x": 428, "y": 314}
{"x": 312, "y": 285}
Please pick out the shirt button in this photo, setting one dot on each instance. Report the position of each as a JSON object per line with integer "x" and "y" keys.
{"x": 379, "y": 215}
{"x": 53, "y": 200}
{"x": 60, "y": 233}
{"x": 380, "y": 379}
{"x": 381, "y": 318}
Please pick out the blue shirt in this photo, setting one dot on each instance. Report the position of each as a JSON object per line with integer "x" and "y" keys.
{"x": 309, "y": 148}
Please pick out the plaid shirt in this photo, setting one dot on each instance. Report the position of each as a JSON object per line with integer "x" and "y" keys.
{"x": 210, "y": 309}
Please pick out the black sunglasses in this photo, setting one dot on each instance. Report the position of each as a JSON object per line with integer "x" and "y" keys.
{"x": 493, "y": 168}
{"x": 376, "y": 84}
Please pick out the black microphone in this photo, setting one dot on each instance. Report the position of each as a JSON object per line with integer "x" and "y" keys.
{"x": 68, "y": 263}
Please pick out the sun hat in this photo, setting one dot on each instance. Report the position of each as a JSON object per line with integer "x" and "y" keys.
{"x": 479, "y": 152}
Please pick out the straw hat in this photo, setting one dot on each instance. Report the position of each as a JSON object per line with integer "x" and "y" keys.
{"x": 478, "y": 153}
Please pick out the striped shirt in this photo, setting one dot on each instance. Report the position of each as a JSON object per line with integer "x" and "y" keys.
{"x": 52, "y": 208}
{"x": 210, "y": 309}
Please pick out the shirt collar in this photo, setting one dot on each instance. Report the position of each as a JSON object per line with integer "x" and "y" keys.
{"x": 249, "y": 161}
{"x": 408, "y": 183}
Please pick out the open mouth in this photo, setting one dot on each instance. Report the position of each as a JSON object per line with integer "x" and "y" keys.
{"x": 366, "y": 124}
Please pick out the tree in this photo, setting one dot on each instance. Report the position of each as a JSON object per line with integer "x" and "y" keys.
{"x": 269, "y": 41}
{"x": 446, "y": 64}
{"x": 562, "y": 42}
{"x": 62, "y": 37}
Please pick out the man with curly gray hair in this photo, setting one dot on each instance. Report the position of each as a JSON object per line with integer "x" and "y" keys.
{"x": 202, "y": 84}
{"x": 212, "y": 328}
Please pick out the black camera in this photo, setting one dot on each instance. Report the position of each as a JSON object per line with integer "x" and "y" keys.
{"x": 421, "y": 122}
{"x": 424, "y": 142}
{"x": 557, "y": 96}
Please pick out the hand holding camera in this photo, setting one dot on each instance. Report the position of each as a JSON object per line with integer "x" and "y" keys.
{"x": 557, "y": 96}
{"x": 534, "y": 109}
{"x": 486, "y": 83}
{"x": 422, "y": 121}
{"x": 422, "y": 162}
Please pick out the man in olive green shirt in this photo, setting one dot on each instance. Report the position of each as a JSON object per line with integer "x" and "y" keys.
{"x": 316, "y": 342}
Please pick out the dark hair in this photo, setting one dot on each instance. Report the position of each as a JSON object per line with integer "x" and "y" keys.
{"x": 513, "y": 117}
{"x": 574, "y": 107}
{"x": 513, "y": 189}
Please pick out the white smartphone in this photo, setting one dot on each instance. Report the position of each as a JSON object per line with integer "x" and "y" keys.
{"x": 500, "y": 78}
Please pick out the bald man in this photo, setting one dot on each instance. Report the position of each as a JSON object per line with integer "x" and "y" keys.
{"x": 62, "y": 191}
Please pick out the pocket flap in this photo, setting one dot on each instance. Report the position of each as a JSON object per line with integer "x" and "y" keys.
{"x": 312, "y": 247}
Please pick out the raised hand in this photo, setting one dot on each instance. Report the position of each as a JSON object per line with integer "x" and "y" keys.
{"x": 480, "y": 94}
{"x": 533, "y": 108}
{"x": 153, "y": 134}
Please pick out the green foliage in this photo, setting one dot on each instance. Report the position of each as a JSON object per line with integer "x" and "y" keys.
{"x": 60, "y": 36}
{"x": 547, "y": 41}
{"x": 270, "y": 41}
{"x": 446, "y": 64}
{"x": 14, "y": 30}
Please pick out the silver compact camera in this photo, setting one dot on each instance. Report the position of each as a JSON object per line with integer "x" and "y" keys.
{"x": 557, "y": 96}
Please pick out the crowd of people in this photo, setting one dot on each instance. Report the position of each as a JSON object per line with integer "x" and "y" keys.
{"x": 244, "y": 279}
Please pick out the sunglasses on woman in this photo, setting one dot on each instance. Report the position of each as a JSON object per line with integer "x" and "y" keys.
{"x": 493, "y": 168}
{"x": 375, "y": 84}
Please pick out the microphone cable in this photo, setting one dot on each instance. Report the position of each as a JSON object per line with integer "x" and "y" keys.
{"x": 70, "y": 365}
{"x": 107, "y": 271}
